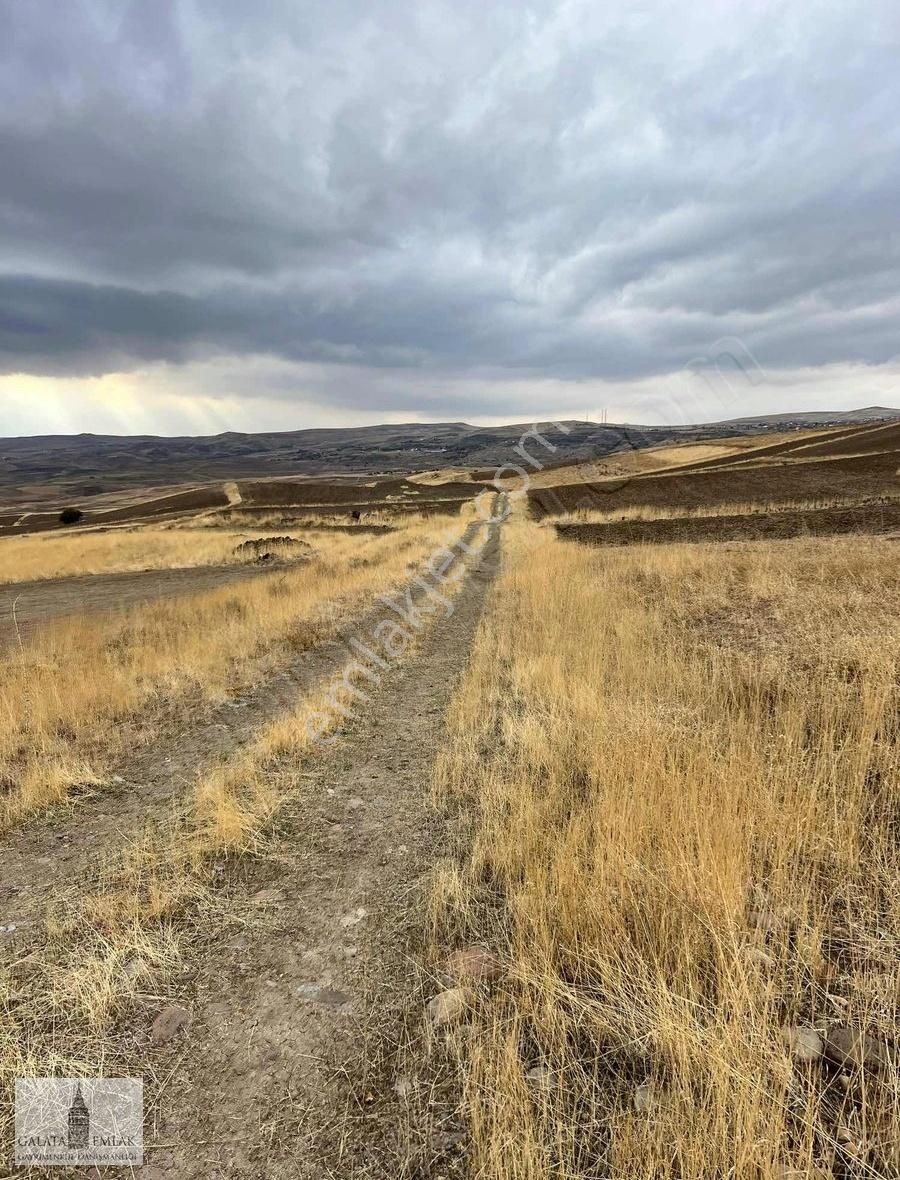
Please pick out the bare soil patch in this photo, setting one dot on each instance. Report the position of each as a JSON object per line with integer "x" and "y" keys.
{"x": 858, "y": 477}
{"x": 176, "y": 503}
{"x": 322, "y": 493}
{"x": 756, "y": 526}
{"x": 872, "y": 440}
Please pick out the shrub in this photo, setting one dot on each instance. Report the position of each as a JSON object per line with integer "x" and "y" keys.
{"x": 70, "y": 516}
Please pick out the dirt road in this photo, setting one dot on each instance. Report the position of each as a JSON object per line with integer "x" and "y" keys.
{"x": 303, "y": 974}
{"x": 24, "y": 605}
{"x": 71, "y": 842}
{"x": 302, "y": 1054}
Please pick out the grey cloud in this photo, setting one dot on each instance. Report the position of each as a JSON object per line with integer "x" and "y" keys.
{"x": 542, "y": 190}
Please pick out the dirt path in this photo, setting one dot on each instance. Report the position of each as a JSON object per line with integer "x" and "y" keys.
{"x": 28, "y": 604}
{"x": 71, "y": 842}
{"x": 309, "y": 985}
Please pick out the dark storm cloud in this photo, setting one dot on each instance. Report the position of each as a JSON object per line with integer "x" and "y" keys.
{"x": 568, "y": 191}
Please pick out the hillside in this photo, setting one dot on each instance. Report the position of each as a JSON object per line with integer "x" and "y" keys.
{"x": 821, "y": 417}
{"x": 858, "y": 463}
{"x": 40, "y": 469}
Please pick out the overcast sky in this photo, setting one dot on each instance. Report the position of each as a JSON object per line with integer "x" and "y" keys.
{"x": 284, "y": 213}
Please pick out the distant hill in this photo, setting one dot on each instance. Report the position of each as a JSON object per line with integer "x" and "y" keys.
{"x": 825, "y": 467}
{"x": 90, "y": 464}
{"x": 820, "y": 418}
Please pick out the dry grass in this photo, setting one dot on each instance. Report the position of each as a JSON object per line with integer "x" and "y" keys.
{"x": 299, "y": 518}
{"x": 37, "y": 556}
{"x": 84, "y": 690}
{"x": 677, "y": 770}
{"x": 129, "y": 930}
{"x": 236, "y": 798}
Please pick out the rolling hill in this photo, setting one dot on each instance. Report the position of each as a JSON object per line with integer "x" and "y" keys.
{"x": 42, "y": 469}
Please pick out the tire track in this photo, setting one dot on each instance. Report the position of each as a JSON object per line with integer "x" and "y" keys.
{"x": 72, "y": 843}
{"x": 316, "y": 959}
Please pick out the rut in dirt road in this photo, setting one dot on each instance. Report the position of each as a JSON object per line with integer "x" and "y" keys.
{"x": 301, "y": 994}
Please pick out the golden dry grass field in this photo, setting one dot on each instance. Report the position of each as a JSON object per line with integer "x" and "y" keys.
{"x": 678, "y": 769}
{"x": 459, "y": 848}
{"x": 87, "y": 686}
{"x": 55, "y": 555}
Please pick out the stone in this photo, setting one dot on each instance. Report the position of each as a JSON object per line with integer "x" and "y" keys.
{"x": 540, "y": 1076}
{"x": 803, "y": 1043}
{"x": 328, "y": 997}
{"x": 169, "y": 1022}
{"x": 404, "y": 1086}
{"x": 447, "y": 1007}
{"x": 446, "y": 1141}
{"x": 851, "y": 1046}
{"x": 764, "y": 920}
{"x": 642, "y": 1099}
{"x": 758, "y": 958}
{"x": 850, "y": 1142}
{"x": 763, "y": 914}
{"x": 474, "y": 962}
{"x": 135, "y": 969}
{"x": 354, "y": 917}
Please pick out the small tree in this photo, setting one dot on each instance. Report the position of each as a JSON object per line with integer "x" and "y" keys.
{"x": 70, "y": 516}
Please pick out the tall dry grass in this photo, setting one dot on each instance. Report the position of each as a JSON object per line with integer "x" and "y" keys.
{"x": 677, "y": 773}
{"x": 56, "y": 555}
{"x": 83, "y": 691}
{"x": 129, "y": 929}
{"x": 235, "y": 799}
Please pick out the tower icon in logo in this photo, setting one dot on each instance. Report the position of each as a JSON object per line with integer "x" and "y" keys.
{"x": 79, "y": 1120}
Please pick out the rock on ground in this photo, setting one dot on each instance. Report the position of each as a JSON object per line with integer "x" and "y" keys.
{"x": 168, "y": 1023}
{"x": 851, "y": 1046}
{"x": 447, "y": 1007}
{"x": 803, "y": 1044}
{"x": 474, "y": 962}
